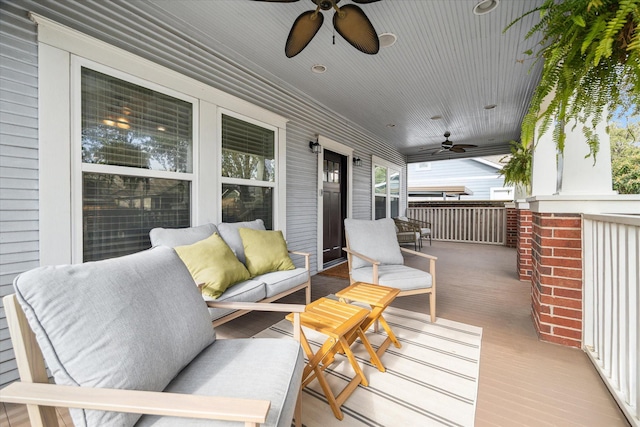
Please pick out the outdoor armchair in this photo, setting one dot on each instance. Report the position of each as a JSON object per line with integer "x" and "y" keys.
{"x": 132, "y": 335}
{"x": 424, "y": 227}
{"x": 407, "y": 232}
{"x": 375, "y": 256}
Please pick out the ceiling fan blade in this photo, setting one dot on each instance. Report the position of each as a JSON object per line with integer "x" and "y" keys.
{"x": 465, "y": 145}
{"x": 279, "y": 1}
{"x": 457, "y": 149}
{"x": 439, "y": 150}
{"x": 304, "y": 28}
{"x": 352, "y": 24}
{"x": 364, "y": 1}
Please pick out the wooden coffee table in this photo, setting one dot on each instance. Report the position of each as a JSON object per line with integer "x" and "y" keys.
{"x": 379, "y": 298}
{"x": 341, "y": 323}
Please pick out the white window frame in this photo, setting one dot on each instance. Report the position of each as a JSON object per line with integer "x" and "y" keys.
{"x": 60, "y": 164}
{"x": 274, "y": 185}
{"x": 78, "y": 167}
{"x": 390, "y": 167}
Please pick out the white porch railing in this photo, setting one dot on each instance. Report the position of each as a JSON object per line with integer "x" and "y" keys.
{"x": 611, "y": 303}
{"x": 464, "y": 224}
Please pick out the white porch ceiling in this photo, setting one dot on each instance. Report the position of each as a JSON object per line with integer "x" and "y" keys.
{"x": 447, "y": 62}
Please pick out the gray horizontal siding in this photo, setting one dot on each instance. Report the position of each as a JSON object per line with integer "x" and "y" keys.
{"x": 18, "y": 161}
{"x": 129, "y": 25}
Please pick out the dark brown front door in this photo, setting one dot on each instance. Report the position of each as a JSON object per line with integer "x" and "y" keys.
{"x": 334, "y": 202}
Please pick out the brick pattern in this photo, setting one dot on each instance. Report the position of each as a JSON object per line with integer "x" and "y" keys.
{"x": 556, "y": 282}
{"x": 512, "y": 228}
{"x": 523, "y": 244}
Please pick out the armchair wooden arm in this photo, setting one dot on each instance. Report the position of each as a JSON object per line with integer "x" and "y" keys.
{"x": 251, "y": 412}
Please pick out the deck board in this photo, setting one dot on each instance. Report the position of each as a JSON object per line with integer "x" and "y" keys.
{"x": 523, "y": 381}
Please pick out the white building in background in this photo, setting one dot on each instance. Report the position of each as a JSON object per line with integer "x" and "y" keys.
{"x": 458, "y": 179}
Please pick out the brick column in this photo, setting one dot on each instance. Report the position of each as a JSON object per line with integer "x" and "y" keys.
{"x": 556, "y": 283}
{"x": 523, "y": 244}
{"x": 512, "y": 227}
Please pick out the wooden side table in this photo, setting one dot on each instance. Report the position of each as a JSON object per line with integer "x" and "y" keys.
{"x": 379, "y": 298}
{"x": 340, "y": 322}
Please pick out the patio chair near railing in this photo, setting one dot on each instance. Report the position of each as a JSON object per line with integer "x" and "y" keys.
{"x": 423, "y": 226}
{"x": 407, "y": 232}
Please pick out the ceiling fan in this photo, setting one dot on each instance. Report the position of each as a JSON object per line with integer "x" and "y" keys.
{"x": 450, "y": 146}
{"x": 349, "y": 21}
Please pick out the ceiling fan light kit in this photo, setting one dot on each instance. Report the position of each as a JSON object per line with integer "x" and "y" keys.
{"x": 349, "y": 21}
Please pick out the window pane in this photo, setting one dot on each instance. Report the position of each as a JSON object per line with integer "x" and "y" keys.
{"x": 394, "y": 183}
{"x": 380, "y": 180}
{"x": 395, "y": 207}
{"x": 124, "y": 124}
{"x": 381, "y": 207}
{"x": 118, "y": 212}
{"x": 248, "y": 150}
{"x": 246, "y": 203}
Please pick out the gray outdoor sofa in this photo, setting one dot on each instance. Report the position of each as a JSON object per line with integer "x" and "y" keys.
{"x": 263, "y": 288}
{"x": 132, "y": 335}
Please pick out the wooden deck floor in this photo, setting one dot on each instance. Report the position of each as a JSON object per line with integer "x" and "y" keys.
{"x": 523, "y": 382}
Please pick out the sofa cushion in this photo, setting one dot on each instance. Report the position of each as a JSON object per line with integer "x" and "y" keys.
{"x": 280, "y": 281}
{"x": 261, "y": 368}
{"x": 212, "y": 265}
{"x": 395, "y": 276}
{"x": 173, "y": 237}
{"x": 247, "y": 291}
{"x": 375, "y": 239}
{"x": 229, "y": 232}
{"x": 131, "y": 322}
{"x": 265, "y": 251}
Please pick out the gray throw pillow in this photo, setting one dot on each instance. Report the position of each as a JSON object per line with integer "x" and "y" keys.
{"x": 229, "y": 232}
{"x": 173, "y": 237}
{"x": 131, "y": 323}
{"x": 375, "y": 239}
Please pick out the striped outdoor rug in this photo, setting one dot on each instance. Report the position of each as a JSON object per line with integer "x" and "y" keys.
{"x": 431, "y": 381}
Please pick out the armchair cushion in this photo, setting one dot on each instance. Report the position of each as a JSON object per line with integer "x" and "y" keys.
{"x": 265, "y": 251}
{"x": 212, "y": 264}
{"x": 137, "y": 320}
{"x": 229, "y": 232}
{"x": 242, "y": 368}
{"x": 375, "y": 239}
{"x": 173, "y": 237}
{"x": 395, "y": 276}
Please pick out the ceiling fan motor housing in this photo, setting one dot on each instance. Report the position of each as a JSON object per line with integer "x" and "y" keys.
{"x": 325, "y": 4}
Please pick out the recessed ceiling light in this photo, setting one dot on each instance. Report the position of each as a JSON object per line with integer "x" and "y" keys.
{"x": 391, "y": 125}
{"x": 490, "y": 106}
{"x": 319, "y": 68}
{"x": 436, "y": 117}
{"x": 387, "y": 39}
{"x": 485, "y": 6}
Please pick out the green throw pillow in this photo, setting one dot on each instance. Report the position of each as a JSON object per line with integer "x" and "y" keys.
{"x": 265, "y": 251}
{"x": 212, "y": 264}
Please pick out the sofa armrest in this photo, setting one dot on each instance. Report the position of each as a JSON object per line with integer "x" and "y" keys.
{"x": 306, "y": 256}
{"x": 251, "y": 412}
{"x": 296, "y": 309}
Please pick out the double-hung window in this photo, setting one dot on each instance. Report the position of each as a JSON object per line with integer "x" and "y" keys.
{"x": 248, "y": 170}
{"x": 386, "y": 189}
{"x": 137, "y": 156}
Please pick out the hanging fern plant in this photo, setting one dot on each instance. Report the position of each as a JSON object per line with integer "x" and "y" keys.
{"x": 517, "y": 169}
{"x": 591, "y": 64}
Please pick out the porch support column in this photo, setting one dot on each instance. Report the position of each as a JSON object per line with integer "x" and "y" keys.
{"x": 565, "y": 186}
{"x": 523, "y": 246}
